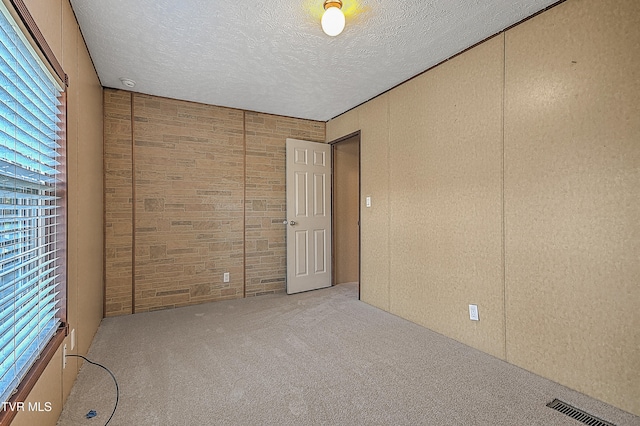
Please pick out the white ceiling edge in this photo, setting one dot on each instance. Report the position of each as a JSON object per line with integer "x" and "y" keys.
{"x": 272, "y": 57}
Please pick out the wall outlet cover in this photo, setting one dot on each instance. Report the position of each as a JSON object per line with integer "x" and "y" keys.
{"x": 473, "y": 313}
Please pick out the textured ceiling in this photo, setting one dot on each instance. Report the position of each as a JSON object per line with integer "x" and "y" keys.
{"x": 272, "y": 56}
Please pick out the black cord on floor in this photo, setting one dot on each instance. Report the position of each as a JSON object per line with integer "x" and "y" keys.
{"x": 114, "y": 381}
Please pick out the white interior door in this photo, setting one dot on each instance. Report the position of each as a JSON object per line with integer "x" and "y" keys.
{"x": 308, "y": 215}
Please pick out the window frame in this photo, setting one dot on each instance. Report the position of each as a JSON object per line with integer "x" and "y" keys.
{"x": 32, "y": 33}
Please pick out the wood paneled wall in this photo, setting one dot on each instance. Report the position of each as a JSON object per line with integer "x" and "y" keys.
{"x": 265, "y": 198}
{"x": 205, "y": 187}
{"x": 509, "y": 177}
{"x": 118, "y": 195}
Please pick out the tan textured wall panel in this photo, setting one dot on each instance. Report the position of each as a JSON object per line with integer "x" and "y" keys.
{"x": 48, "y": 16}
{"x": 372, "y": 119}
{"x": 46, "y": 390}
{"x": 346, "y": 214}
{"x": 572, "y": 185}
{"x": 343, "y": 125}
{"x": 374, "y": 175}
{"x": 118, "y": 164}
{"x": 189, "y": 182}
{"x": 265, "y": 192}
{"x": 446, "y": 198}
{"x": 70, "y": 65}
{"x": 90, "y": 201}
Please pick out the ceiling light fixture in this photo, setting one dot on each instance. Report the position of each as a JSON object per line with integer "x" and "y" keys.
{"x": 333, "y": 18}
{"x": 128, "y": 82}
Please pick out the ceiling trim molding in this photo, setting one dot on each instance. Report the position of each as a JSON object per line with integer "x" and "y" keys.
{"x": 451, "y": 57}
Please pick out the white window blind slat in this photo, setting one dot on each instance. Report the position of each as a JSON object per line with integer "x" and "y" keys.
{"x": 31, "y": 345}
{"x": 13, "y": 98}
{"x": 29, "y": 138}
{"x": 34, "y": 165}
{"x": 23, "y": 88}
{"x": 6, "y": 142}
{"x": 38, "y": 122}
{"x": 16, "y": 328}
{"x": 30, "y": 316}
{"x": 7, "y": 300}
{"x": 24, "y": 281}
{"x": 23, "y": 260}
{"x": 27, "y": 74}
{"x": 8, "y": 97}
{"x": 30, "y": 216}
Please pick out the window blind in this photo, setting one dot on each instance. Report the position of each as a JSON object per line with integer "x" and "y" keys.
{"x": 31, "y": 275}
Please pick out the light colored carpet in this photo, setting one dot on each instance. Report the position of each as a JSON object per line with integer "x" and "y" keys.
{"x": 321, "y": 357}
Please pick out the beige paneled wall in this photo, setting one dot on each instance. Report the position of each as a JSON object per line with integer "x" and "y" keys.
{"x": 375, "y": 220}
{"x": 445, "y": 198}
{"x": 57, "y": 22}
{"x": 209, "y": 196}
{"x": 521, "y": 157}
{"x": 346, "y": 124}
{"x": 572, "y": 197}
{"x": 372, "y": 119}
{"x": 90, "y": 201}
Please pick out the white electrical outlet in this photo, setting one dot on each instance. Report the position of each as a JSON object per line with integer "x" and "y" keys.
{"x": 367, "y": 201}
{"x": 473, "y": 313}
{"x": 225, "y": 277}
{"x": 64, "y": 356}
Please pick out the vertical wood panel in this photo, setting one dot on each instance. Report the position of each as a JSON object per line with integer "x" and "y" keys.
{"x": 343, "y": 125}
{"x": 70, "y": 64}
{"x": 48, "y": 17}
{"x": 118, "y": 202}
{"x": 374, "y": 173}
{"x": 265, "y": 203}
{"x": 196, "y": 165}
{"x": 446, "y": 201}
{"x": 90, "y": 205}
{"x": 572, "y": 185}
{"x": 47, "y": 389}
{"x": 189, "y": 177}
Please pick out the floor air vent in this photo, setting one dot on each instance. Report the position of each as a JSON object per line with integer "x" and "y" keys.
{"x": 577, "y": 414}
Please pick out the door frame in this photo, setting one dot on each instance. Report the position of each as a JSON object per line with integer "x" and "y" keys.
{"x": 334, "y": 142}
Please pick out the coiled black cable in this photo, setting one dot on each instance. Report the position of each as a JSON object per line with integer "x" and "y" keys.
{"x": 114, "y": 381}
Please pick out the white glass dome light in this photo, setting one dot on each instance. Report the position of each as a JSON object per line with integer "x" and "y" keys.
{"x": 333, "y": 18}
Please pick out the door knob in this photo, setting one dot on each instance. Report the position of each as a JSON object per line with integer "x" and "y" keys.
{"x": 293, "y": 222}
